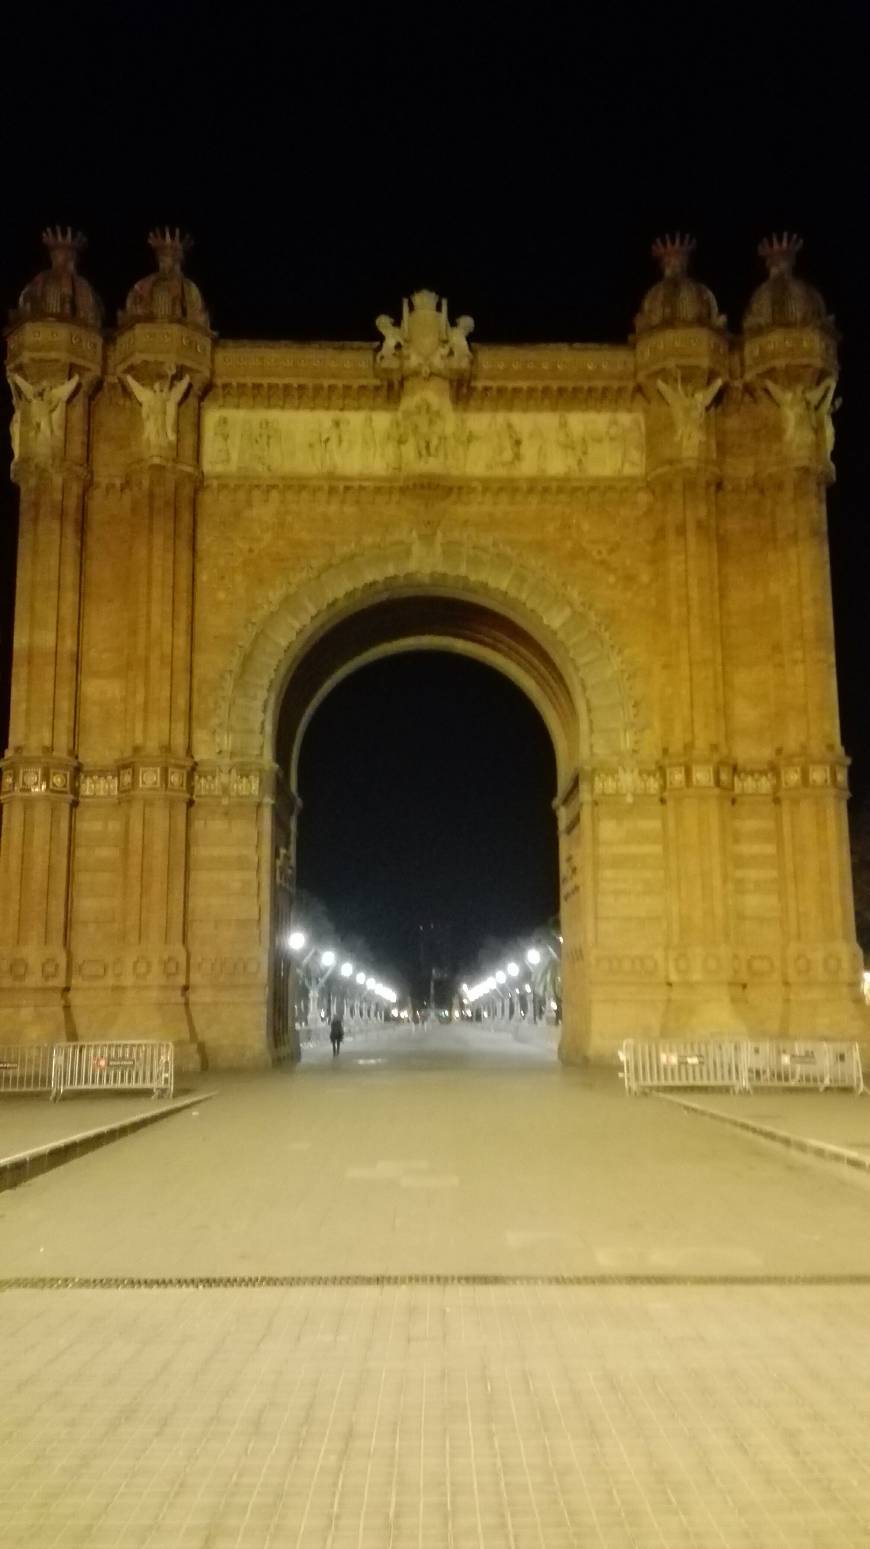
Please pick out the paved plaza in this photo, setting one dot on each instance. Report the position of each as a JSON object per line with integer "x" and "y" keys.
{"x": 508, "y": 1306}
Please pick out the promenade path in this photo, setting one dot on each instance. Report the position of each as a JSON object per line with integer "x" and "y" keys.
{"x": 511, "y": 1307}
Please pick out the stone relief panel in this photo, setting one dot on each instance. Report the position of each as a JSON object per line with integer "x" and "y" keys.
{"x": 424, "y": 433}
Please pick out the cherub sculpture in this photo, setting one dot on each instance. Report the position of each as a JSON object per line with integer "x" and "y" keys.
{"x": 159, "y": 405}
{"x": 45, "y": 411}
{"x": 459, "y": 353}
{"x": 392, "y": 338}
{"x": 688, "y": 408}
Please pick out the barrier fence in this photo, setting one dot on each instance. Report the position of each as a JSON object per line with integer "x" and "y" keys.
{"x": 89, "y": 1067}
{"x": 653, "y": 1066}
{"x": 26, "y": 1069}
{"x": 741, "y": 1065}
{"x": 817, "y": 1065}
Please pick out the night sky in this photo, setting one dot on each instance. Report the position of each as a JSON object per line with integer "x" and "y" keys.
{"x": 327, "y": 166}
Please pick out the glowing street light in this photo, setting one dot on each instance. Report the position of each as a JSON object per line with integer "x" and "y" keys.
{"x": 513, "y": 969}
{"x": 533, "y": 956}
{"x": 296, "y": 940}
{"x": 360, "y": 978}
{"x": 500, "y": 976}
{"x": 327, "y": 958}
{"x": 346, "y": 970}
{"x": 370, "y": 982}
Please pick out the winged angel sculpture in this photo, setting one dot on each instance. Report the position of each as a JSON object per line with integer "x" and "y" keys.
{"x": 159, "y": 405}
{"x": 43, "y": 410}
{"x": 688, "y": 408}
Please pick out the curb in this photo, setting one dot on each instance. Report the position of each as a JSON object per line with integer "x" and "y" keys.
{"x": 820, "y": 1148}
{"x": 25, "y": 1165}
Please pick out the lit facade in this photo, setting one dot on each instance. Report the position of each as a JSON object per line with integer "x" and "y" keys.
{"x": 213, "y": 532}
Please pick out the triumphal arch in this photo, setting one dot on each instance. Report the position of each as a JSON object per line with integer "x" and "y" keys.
{"x": 214, "y": 531}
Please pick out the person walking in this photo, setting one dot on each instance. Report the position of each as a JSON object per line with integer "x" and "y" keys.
{"x": 336, "y": 1033}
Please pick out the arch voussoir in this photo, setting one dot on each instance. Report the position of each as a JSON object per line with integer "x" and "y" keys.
{"x": 563, "y": 624}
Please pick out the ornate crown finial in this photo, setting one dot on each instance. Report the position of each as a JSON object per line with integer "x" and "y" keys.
{"x": 170, "y": 244}
{"x": 67, "y": 242}
{"x": 779, "y": 253}
{"x": 674, "y": 253}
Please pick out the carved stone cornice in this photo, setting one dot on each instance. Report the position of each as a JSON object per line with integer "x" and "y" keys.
{"x": 675, "y": 777}
{"x": 51, "y": 343}
{"x": 704, "y": 472}
{"x": 795, "y": 776}
{"x": 153, "y": 775}
{"x": 136, "y": 475}
{"x": 37, "y": 776}
{"x": 555, "y": 495}
{"x": 242, "y": 360}
{"x": 166, "y": 346}
{"x": 698, "y": 353}
{"x": 789, "y": 350}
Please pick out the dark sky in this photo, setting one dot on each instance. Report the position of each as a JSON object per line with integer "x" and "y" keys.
{"x": 328, "y": 161}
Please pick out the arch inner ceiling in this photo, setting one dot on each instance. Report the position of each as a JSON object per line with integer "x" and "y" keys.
{"x": 429, "y": 621}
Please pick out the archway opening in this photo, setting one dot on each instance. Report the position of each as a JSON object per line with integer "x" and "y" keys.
{"x": 424, "y": 740}
{"x": 427, "y": 848}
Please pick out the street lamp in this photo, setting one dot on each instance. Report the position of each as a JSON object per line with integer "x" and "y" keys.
{"x": 346, "y": 970}
{"x": 533, "y": 956}
{"x": 327, "y": 958}
{"x": 296, "y": 940}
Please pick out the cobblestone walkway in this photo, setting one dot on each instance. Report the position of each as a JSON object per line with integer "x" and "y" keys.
{"x": 520, "y": 1413}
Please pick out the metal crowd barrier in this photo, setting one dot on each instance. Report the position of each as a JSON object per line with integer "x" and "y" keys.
{"x": 820, "y": 1065}
{"x": 654, "y": 1066}
{"x": 117, "y": 1067}
{"x": 741, "y": 1065}
{"x": 26, "y": 1068}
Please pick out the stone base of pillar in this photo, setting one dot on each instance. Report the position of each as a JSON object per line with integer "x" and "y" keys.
{"x": 614, "y": 1012}
{"x": 36, "y": 1016}
{"x": 155, "y": 1014}
{"x": 232, "y": 1028}
{"x": 818, "y": 1012}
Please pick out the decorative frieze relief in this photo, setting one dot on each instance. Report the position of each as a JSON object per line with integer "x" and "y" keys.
{"x": 98, "y": 783}
{"x": 757, "y": 780}
{"x": 232, "y": 782}
{"x": 426, "y": 432}
{"x": 706, "y": 775}
{"x": 148, "y": 777}
{"x": 628, "y": 781}
{"x": 791, "y": 776}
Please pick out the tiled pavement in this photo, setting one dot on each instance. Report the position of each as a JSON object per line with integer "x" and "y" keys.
{"x": 28, "y": 1122}
{"x": 839, "y": 1119}
{"x": 454, "y": 1414}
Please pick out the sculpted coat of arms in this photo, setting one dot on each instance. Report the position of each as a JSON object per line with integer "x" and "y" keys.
{"x": 425, "y": 343}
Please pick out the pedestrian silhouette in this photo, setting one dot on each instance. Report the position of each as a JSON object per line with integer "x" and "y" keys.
{"x": 336, "y": 1033}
